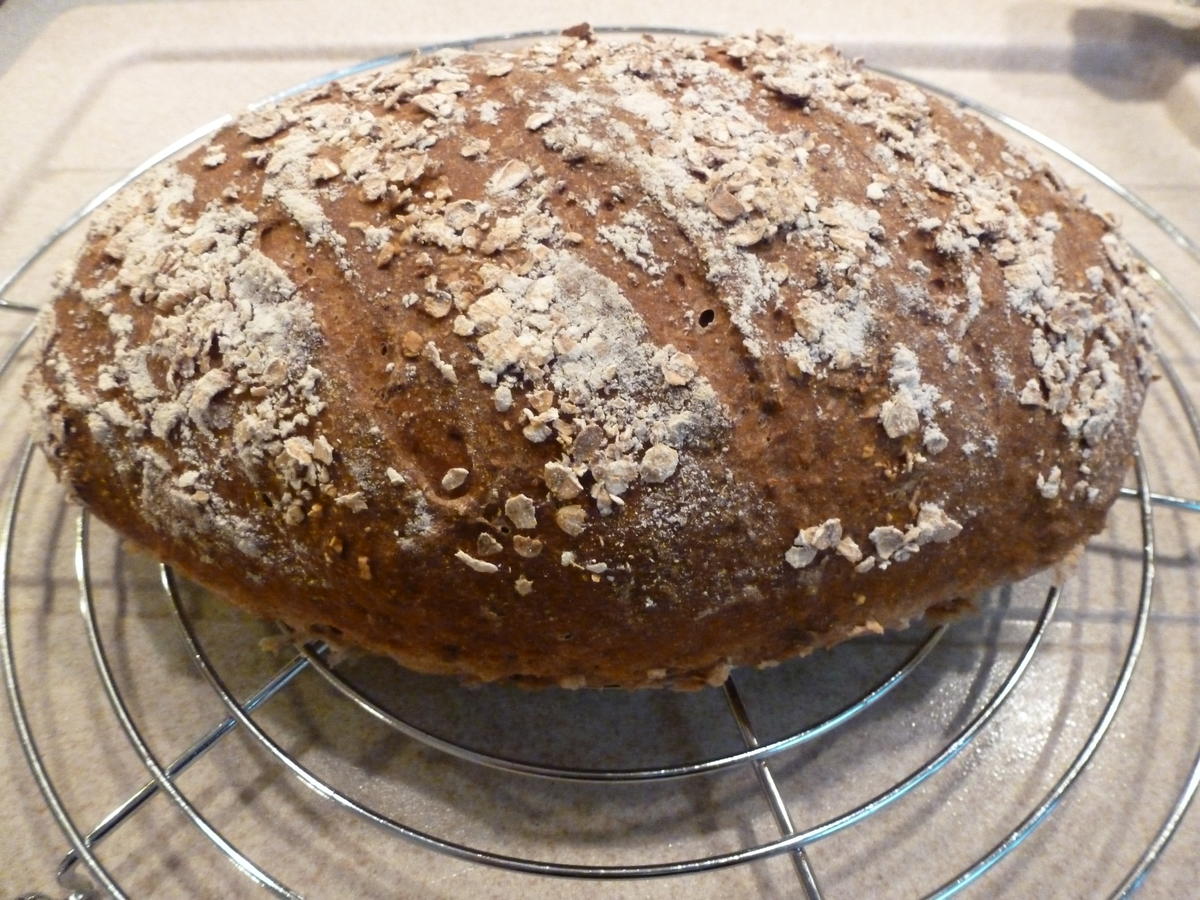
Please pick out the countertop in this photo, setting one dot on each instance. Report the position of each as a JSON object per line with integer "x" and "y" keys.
{"x": 90, "y": 89}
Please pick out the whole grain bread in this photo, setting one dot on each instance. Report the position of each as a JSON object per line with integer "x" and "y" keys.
{"x": 599, "y": 364}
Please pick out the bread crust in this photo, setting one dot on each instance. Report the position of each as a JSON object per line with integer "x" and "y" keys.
{"x": 599, "y": 365}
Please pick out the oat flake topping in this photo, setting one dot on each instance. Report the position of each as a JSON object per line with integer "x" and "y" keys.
{"x": 550, "y": 292}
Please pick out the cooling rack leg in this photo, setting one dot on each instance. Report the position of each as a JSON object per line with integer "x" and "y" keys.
{"x": 1185, "y": 503}
{"x": 117, "y": 817}
{"x": 766, "y": 781}
{"x": 17, "y": 307}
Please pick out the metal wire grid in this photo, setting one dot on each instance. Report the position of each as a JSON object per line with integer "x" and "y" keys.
{"x": 755, "y": 755}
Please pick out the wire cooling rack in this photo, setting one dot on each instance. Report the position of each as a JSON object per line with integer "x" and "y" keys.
{"x": 867, "y": 693}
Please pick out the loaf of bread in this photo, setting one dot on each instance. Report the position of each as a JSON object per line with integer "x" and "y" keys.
{"x": 597, "y": 363}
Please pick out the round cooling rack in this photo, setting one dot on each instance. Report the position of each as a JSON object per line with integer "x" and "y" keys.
{"x": 890, "y": 743}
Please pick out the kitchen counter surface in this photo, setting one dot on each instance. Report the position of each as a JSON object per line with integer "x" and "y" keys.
{"x": 90, "y": 89}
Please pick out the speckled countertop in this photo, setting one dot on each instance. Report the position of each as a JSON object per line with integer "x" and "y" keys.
{"x": 87, "y": 90}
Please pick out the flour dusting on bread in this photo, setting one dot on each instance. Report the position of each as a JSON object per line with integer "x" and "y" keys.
{"x": 599, "y": 363}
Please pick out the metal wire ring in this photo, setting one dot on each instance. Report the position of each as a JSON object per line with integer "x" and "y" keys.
{"x": 755, "y": 755}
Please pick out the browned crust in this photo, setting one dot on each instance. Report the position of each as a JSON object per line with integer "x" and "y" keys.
{"x": 696, "y": 578}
